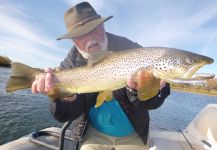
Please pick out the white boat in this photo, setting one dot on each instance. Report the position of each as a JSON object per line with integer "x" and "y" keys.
{"x": 200, "y": 134}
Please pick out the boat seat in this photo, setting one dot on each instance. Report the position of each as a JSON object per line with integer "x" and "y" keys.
{"x": 24, "y": 143}
{"x": 204, "y": 126}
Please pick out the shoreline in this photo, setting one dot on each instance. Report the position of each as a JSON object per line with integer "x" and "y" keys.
{"x": 189, "y": 90}
{"x": 5, "y": 62}
{"x": 5, "y": 66}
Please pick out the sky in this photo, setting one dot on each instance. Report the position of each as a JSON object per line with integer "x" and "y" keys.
{"x": 29, "y": 28}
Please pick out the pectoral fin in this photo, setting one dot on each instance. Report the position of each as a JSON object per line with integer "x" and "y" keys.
{"x": 56, "y": 93}
{"x": 103, "y": 96}
{"x": 148, "y": 86}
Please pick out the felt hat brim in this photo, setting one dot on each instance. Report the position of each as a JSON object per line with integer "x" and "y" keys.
{"x": 84, "y": 29}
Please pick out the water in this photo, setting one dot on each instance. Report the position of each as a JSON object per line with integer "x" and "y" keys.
{"x": 22, "y": 112}
{"x": 178, "y": 110}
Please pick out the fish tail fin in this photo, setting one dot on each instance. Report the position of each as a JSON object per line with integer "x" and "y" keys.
{"x": 21, "y": 77}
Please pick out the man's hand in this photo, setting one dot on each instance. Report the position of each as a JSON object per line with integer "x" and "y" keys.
{"x": 133, "y": 85}
{"x": 44, "y": 83}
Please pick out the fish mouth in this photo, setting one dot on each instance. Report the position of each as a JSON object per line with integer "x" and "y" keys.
{"x": 201, "y": 61}
{"x": 208, "y": 60}
{"x": 194, "y": 68}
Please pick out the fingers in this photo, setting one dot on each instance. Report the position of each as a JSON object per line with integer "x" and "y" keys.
{"x": 34, "y": 87}
{"x": 162, "y": 84}
{"x": 43, "y": 83}
{"x": 48, "y": 81}
{"x": 131, "y": 83}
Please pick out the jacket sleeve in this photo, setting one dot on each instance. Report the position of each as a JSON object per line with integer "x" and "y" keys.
{"x": 67, "y": 110}
{"x": 153, "y": 103}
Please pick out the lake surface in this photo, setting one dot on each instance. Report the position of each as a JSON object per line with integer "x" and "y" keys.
{"x": 22, "y": 112}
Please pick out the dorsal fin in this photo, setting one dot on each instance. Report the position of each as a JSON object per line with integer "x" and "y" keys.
{"x": 97, "y": 56}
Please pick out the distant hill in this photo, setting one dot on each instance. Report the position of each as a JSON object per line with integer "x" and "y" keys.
{"x": 5, "y": 62}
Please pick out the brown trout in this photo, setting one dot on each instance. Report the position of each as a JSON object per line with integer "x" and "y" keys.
{"x": 107, "y": 71}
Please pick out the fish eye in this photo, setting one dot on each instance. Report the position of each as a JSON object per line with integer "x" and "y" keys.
{"x": 189, "y": 60}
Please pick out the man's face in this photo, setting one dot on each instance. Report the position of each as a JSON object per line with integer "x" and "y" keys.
{"x": 92, "y": 41}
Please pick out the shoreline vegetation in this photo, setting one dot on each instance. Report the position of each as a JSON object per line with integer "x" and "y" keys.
{"x": 5, "y": 62}
{"x": 210, "y": 89}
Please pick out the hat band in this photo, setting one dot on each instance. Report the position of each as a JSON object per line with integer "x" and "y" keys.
{"x": 83, "y": 22}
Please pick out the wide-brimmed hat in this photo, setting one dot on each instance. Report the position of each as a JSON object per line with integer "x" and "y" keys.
{"x": 81, "y": 19}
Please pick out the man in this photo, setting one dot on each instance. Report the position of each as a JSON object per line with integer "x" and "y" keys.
{"x": 121, "y": 123}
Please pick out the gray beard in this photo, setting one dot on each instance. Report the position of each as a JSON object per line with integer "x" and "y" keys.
{"x": 104, "y": 46}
